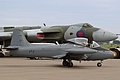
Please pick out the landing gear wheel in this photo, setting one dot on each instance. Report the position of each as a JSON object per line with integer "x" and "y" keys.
{"x": 65, "y": 63}
{"x": 70, "y": 64}
{"x": 1, "y": 55}
{"x": 116, "y": 53}
{"x": 99, "y": 64}
{"x": 32, "y": 58}
{"x": 37, "y": 58}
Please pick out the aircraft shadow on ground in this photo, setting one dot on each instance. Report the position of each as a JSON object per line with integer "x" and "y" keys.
{"x": 54, "y": 66}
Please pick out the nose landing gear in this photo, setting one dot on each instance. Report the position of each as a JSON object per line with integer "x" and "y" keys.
{"x": 99, "y": 64}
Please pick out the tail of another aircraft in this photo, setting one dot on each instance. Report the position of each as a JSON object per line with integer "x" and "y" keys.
{"x": 18, "y": 38}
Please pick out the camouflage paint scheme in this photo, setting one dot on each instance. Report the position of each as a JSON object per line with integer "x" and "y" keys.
{"x": 58, "y": 33}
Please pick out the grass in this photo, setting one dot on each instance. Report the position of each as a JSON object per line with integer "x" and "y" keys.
{"x": 108, "y": 46}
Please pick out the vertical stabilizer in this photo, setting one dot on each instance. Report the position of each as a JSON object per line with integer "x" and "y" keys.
{"x": 18, "y": 38}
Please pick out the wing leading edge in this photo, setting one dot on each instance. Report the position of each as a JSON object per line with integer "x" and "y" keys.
{"x": 81, "y": 51}
{"x": 76, "y": 51}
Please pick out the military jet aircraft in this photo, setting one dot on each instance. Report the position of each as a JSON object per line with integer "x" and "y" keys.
{"x": 57, "y": 33}
{"x": 85, "y": 30}
{"x": 19, "y": 46}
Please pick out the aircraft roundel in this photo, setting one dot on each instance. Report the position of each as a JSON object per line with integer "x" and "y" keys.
{"x": 80, "y": 33}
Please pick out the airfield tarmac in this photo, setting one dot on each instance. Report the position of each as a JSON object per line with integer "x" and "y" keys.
{"x": 25, "y": 69}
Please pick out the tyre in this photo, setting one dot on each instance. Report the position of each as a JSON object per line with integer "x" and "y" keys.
{"x": 99, "y": 64}
{"x": 70, "y": 64}
{"x": 31, "y": 58}
{"x": 65, "y": 63}
{"x": 116, "y": 53}
{"x": 1, "y": 55}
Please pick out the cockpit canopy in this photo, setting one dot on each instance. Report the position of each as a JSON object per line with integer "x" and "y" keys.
{"x": 84, "y": 25}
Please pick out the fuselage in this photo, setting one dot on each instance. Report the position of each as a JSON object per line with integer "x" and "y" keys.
{"x": 51, "y": 51}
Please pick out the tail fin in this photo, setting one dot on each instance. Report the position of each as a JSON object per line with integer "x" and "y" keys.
{"x": 18, "y": 38}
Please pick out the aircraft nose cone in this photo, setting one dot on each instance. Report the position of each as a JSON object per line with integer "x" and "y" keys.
{"x": 102, "y": 35}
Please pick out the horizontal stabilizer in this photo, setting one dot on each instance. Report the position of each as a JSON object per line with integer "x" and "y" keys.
{"x": 11, "y": 48}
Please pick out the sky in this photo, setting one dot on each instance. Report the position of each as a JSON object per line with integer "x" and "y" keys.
{"x": 104, "y": 14}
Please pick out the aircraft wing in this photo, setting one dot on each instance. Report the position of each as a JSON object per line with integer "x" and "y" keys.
{"x": 76, "y": 51}
{"x": 51, "y": 31}
{"x": 59, "y": 56}
{"x": 81, "y": 51}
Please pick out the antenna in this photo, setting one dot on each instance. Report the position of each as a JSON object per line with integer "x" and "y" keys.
{"x": 57, "y": 43}
{"x": 44, "y": 24}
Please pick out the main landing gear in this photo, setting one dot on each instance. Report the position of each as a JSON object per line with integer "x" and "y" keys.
{"x": 1, "y": 53}
{"x": 67, "y": 63}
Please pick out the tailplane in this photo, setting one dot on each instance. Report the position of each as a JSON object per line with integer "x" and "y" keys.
{"x": 18, "y": 38}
